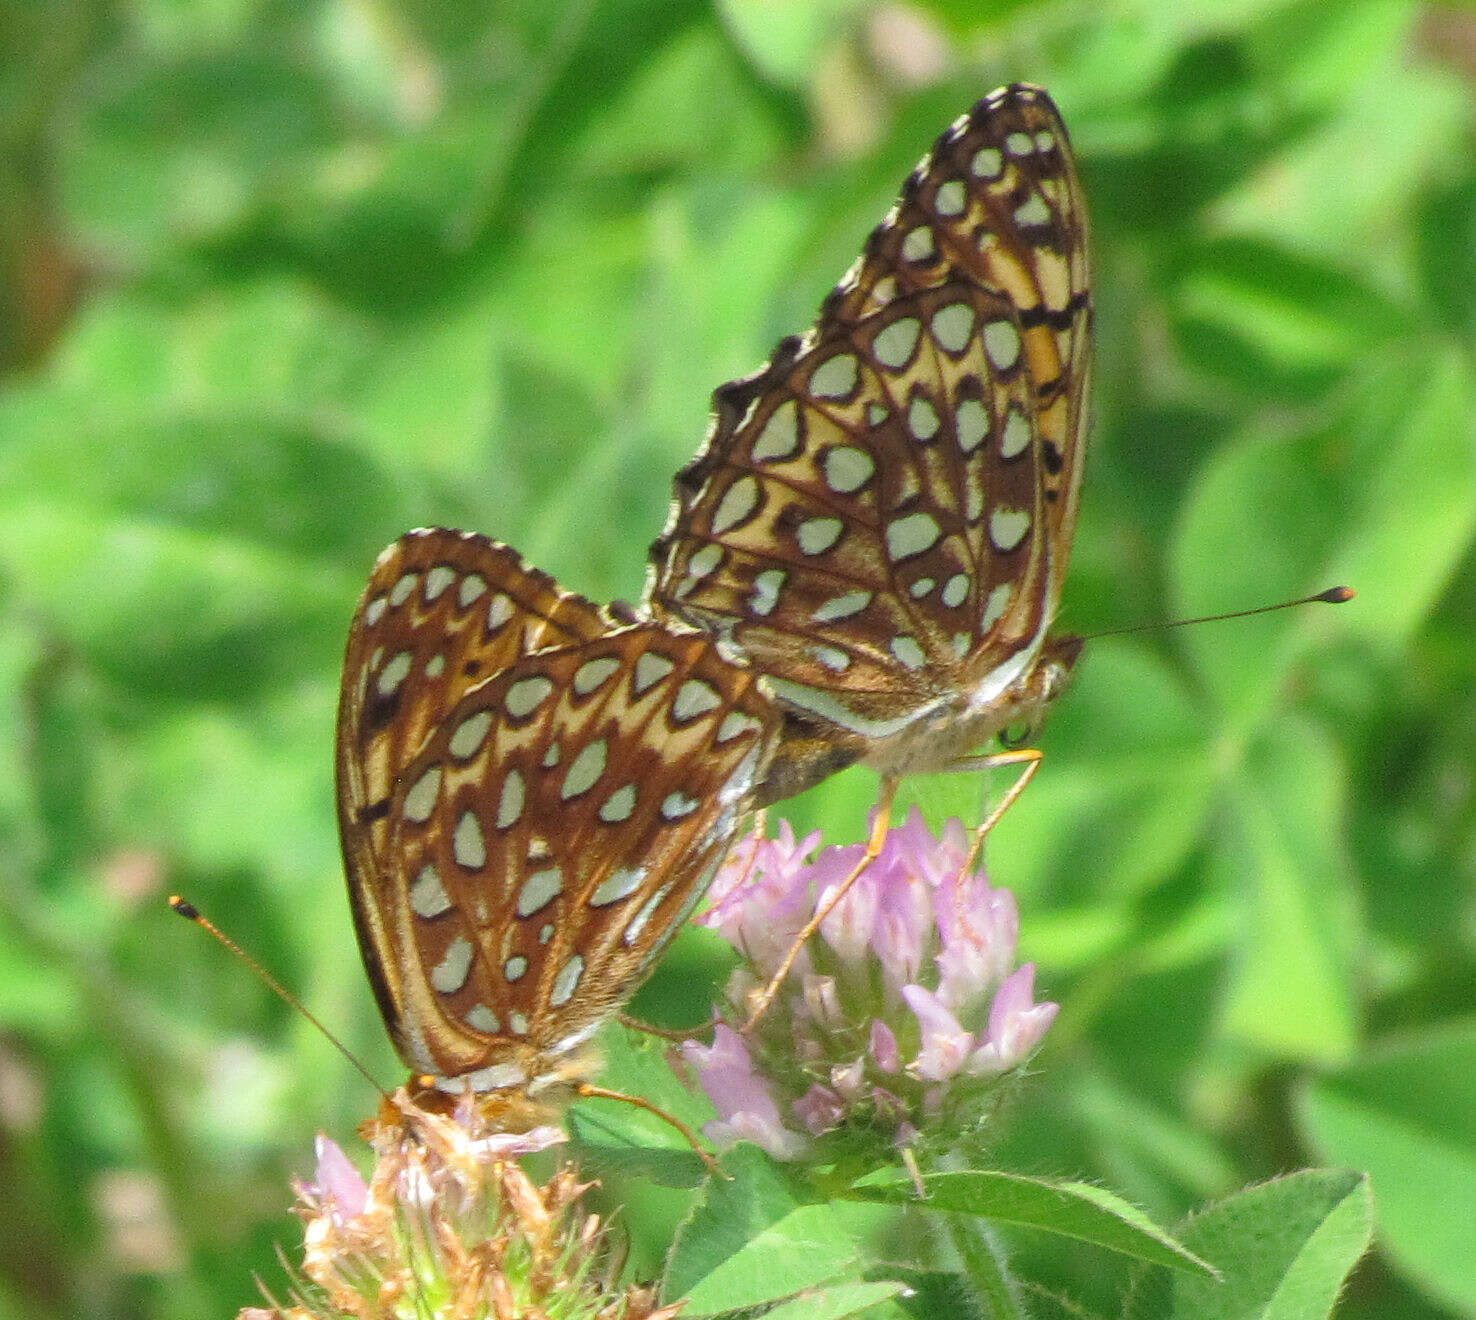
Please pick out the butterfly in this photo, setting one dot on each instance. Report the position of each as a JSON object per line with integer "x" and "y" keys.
{"x": 862, "y": 564}
{"x": 533, "y": 792}
{"x": 880, "y": 518}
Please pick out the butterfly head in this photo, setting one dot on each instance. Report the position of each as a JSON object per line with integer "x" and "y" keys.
{"x": 1039, "y": 687}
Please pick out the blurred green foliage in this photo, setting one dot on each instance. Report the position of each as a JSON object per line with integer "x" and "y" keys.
{"x": 280, "y": 279}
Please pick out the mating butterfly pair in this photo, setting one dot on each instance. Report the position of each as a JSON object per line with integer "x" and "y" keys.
{"x": 861, "y": 565}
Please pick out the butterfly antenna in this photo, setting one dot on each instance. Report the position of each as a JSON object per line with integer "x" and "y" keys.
{"x": 1332, "y": 596}
{"x": 190, "y": 912}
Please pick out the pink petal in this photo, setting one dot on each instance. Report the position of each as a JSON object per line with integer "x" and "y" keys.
{"x": 820, "y": 1110}
{"x": 338, "y": 1181}
{"x": 1016, "y": 1024}
{"x": 746, "y": 1109}
{"x": 945, "y": 1044}
{"x": 883, "y": 1047}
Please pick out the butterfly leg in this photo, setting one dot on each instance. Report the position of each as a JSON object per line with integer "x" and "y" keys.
{"x": 587, "y": 1091}
{"x": 759, "y": 1004}
{"x": 1028, "y": 757}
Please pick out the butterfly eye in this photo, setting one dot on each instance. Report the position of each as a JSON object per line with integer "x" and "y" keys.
{"x": 1017, "y": 735}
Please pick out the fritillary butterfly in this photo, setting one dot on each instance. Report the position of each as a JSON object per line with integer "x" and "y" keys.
{"x": 532, "y": 795}
{"x": 880, "y": 518}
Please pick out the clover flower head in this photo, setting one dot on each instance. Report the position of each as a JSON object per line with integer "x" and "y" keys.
{"x": 448, "y": 1224}
{"x": 898, "y": 1018}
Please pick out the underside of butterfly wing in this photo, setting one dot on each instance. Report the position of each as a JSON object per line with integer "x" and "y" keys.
{"x": 551, "y": 836}
{"x": 443, "y": 610}
{"x": 881, "y": 517}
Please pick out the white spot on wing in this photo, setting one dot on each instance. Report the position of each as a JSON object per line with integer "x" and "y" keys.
{"x": 1016, "y": 434}
{"x": 842, "y": 607}
{"x": 1002, "y": 344}
{"x": 467, "y": 844}
{"x": 394, "y": 673}
{"x": 835, "y": 377}
{"x": 995, "y": 607}
{"x": 650, "y": 669}
{"x": 540, "y": 889}
{"x": 566, "y": 982}
{"x": 1007, "y": 528}
{"x": 694, "y": 698}
{"x": 499, "y": 610}
{"x": 482, "y": 1018}
{"x": 953, "y": 326}
{"x": 908, "y": 652}
{"x": 847, "y": 468}
{"x": 592, "y": 673}
{"x": 987, "y": 163}
{"x": 618, "y": 806}
{"x": 911, "y": 535}
{"x": 449, "y": 975}
{"x": 894, "y": 345}
{"x": 734, "y": 723}
{"x": 950, "y": 198}
{"x": 470, "y": 734}
{"x": 832, "y": 657}
{"x": 400, "y": 592}
{"x": 736, "y": 506}
{"x": 922, "y": 419}
{"x": 817, "y": 535}
{"x": 585, "y": 770}
{"x": 428, "y": 896}
{"x": 1033, "y": 211}
{"x": 510, "y": 804}
{"x": 918, "y": 245}
{"x": 780, "y": 436}
{"x": 766, "y": 591}
{"x": 621, "y": 883}
{"x": 677, "y": 804}
{"x": 972, "y": 421}
{"x": 420, "y": 801}
{"x": 526, "y": 695}
{"x": 472, "y": 586}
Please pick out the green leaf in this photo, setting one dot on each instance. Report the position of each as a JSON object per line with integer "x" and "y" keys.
{"x": 787, "y": 41}
{"x": 1407, "y": 1115}
{"x": 1291, "y": 991}
{"x": 836, "y": 1302}
{"x": 1126, "y": 786}
{"x": 1072, "y": 1209}
{"x": 730, "y": 1211}
{"x": 808, "y": 1248}
{"x": 1419, "y": 510}
{"x": 1288, "y": 321}
{"x": 1284, "y": 1249}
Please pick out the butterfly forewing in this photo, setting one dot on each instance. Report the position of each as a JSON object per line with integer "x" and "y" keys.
{"x": 550, "y": 837}
{"x": 443, "y": 611}
{"x": 881, "y": 517}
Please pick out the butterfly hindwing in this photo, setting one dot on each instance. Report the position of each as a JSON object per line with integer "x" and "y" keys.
{"x": 442, "y": 611}
{"x": 553, "y": 833}
{"x": 881, "y": 517}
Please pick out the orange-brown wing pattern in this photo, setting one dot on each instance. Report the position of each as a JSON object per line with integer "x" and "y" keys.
{"x": 881, "y": 517}
{"x": 443, "y": 611}
{"x": 552, "y": 834}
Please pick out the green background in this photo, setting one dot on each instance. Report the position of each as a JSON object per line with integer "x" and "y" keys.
{"x": 279, "y": 281}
